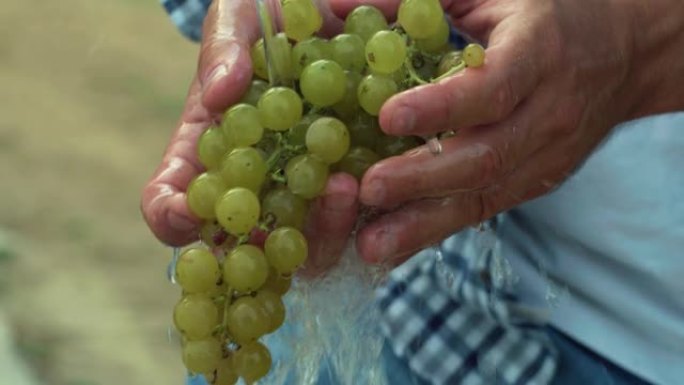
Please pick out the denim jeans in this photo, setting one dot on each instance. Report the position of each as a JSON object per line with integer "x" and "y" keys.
{"x": 577, "y": 365}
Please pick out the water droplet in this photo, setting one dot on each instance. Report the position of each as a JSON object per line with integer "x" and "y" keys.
{"x": 171, "y": 268}
{"x": 434, "y": 145}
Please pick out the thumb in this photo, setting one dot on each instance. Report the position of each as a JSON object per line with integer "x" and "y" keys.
{"x": 225, "y": 66}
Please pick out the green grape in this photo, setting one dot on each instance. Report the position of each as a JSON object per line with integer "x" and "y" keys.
{"x": 246, "y": 320}
{"x": 238, "y": 210}
{"x": 365, "y": 21}
{"x": 273, "y": 307}
{"x": 323, "y": 83}
{"x": 212, "y": 234}
{"x": 241, "y": 125}
{"x": 437, "y": 41}
{"x": 280, "y": 108}
{"x": 474, "y": 55}
{"x": 306, "y": 176}
{"x": 287, "y": 208}
{"x": 211, "y": 147}
{"x": 254, "y": 92}
{"x": 297, "y": 134}
{"x": 280, "y": 58}
{"x": 450, "y": 60}
{"x": 328, "y": 139}
{"x": 245, "y": 268}
{"x": 385, "y": 52}
{"x": 226, "y": 373}
{"x": 348, "y": 107}
{"x": 357, "y": 161}
{"x": 364, "y": 130}
{"x": 301, "y": 18}
{"x": 244, "y": 167}
{"x": 277, "y": 283}
{"x": 195, "y": 316}
{"x": 252, "y": 362}
{"x": 259, "y": 64}
{"x": 348, "y": 52}
{"x": 286, "y": 249}
{"x": 395, "y": 145}
{"x": 420, "y": 18}
{"x": 202, "y": 356}
{"x": 203, "y": 192}
{"x": 374, "y": 90}
{"x": 308, "y": 51}
{"x": 197, "y": 270}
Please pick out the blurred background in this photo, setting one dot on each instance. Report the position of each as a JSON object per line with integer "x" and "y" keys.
{"x": 89, "y": 94}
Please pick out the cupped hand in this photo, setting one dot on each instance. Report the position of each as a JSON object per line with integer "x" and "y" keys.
{"x": 554, "y": 82}
{"x": 223, "y": 75}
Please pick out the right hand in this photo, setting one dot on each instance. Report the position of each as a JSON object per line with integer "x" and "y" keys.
{"x": 223, "y": 74}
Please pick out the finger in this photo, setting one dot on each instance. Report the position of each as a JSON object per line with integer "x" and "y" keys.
{"x": 331, "y": 221}
{"x": 225, "y": 67}
{"x": 397, "y": 235}
{"x": 163, "y": 203}
{"x": 472, "y": 97}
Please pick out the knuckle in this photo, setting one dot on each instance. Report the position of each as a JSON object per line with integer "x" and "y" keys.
{"x": 505, "y": 100}
{"x": 491, "y": 164}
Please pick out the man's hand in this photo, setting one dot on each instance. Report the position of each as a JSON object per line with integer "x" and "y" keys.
{"x": 558, "y": 75}
{"x": 224, "y": 73}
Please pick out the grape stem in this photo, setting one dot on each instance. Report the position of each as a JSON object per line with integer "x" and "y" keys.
{"x": 453, "y": 70}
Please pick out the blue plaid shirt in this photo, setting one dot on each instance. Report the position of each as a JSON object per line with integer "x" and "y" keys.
{"x": 450, "y": 311}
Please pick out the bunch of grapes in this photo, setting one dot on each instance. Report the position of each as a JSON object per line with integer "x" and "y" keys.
{"x": 271, "y": 155}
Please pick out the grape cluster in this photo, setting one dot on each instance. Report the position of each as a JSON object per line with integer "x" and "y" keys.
{"x": 272, "y": 153}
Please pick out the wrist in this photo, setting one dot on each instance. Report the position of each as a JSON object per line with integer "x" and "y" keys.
{"x": 655, "y": 83}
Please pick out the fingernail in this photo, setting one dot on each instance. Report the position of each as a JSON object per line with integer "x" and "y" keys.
{"x": 215, "y": 75}
{"x": 339, "y": 202}
{"x": 375, "y": 192}
{"x": 403, "y": 121}
{"x": 387, "y": 244}
{"x": 180, "y": 223}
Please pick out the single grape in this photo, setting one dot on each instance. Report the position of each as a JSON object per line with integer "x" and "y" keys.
{"x": 280, "y": 58}
{"x": 308, "y": 51}
{"x": 357, "y": 161}
{"x": 287, "y": 208}
{"x": 364, "y": 130}
{"x": 420, "y": 18}
{"x": 195, "y": 316}
{"x": 306, "y": 176}
{"x": 374, "y": 90}
{"x": 226, "y": 373}
{"x": 395, "y": 145}
{"x": 202, "y": 356}
{"x": 301, "y": 18}
{"x": 437, "y": 41}
{"x": 238, "y": 210}
{"x": 254, "y": 92}
{"x": 246, "y": 320}
{"x": 328, "y": 139}
{"x": 245, "y": 268}
{"x": 244, "y": 167}
{"x": 241, "y": 125}
{"x": 365, "y": 21}
{"x": 273, "y": 307}
{"x": 286, "y": 249}
{"x": 323, "y": 83}
{"x": 385, "y": 52}
{"x": 280, "y": 108}
{"x": 348, "y": 52}
{"x": 197, "y": 270}
{"x": 450, "y": 60}
{"x": 203, "y": 192}
{"x": 297, "y": 134}
{"x": 277, "y": 283}
{"x": 474, "y": 55}
{"x": 348, "y": 107}
{"x": 259, "y": 64}
{"x": 211, "y": 147}
{"x": 252, "y": 362}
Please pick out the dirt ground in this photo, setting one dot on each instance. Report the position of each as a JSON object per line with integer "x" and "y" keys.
{"x": 89, "y": 92}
